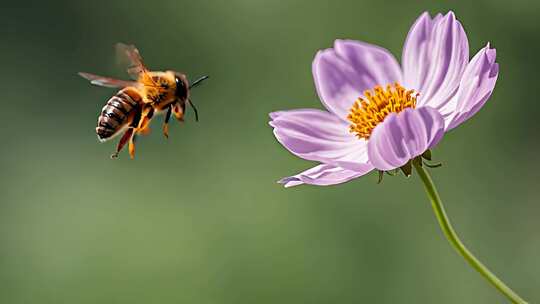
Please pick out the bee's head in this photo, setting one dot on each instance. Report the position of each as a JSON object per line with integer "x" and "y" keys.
{"x": 182, "y": 90}
{"x": 182, "y": 86}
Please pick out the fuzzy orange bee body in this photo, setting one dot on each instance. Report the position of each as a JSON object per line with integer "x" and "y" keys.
{"x": 134, "y": 105}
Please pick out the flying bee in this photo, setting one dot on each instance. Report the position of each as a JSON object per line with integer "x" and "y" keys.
{"x": 132, "y": 108}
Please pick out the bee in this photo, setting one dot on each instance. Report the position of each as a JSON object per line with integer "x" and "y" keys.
{"x": 132, "y": 108}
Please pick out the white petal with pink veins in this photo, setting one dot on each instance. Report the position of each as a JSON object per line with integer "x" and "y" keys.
{"x": 320, "y": 136}
{"x": 435, "y": 55}
{"x": 344, "y": 72}
{"x": 476, "y": 86}
{"x": 403, "y": 136}
{"x": 323, "y": 175}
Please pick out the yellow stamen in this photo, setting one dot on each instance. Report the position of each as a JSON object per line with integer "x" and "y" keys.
{"x": 368, "y": 111}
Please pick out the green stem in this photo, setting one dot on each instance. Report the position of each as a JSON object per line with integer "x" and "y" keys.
{"x": 453, "y": 238}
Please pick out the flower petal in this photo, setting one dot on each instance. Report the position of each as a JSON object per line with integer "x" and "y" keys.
{"x": 401, "y": 137}
{"x": 435, "y": 55}
{"x": 320, "y": 136}
{"x": 344, "y": 72}
{"x": 476, "y": 86}
{"x": 323, "y": 175}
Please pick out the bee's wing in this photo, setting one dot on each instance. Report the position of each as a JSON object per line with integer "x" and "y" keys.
{"x": 106, "y": 81}
{"x": 128, "y": 54}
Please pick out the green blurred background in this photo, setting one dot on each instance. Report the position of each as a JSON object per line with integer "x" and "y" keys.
{"x": 199, "y": 218}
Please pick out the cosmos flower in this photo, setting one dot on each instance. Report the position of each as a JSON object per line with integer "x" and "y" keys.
{"x": 383, "y": 116}
{"x": 380, "y": 115}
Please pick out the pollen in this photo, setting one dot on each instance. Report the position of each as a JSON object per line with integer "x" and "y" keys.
{"x": 368, "y": 111}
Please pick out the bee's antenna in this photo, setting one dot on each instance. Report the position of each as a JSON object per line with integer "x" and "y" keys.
{"x": 194, "y": 108}
{"x": 196, "y": 82}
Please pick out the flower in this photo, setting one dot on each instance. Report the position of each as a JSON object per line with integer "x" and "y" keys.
{"x": 381, "y": 115}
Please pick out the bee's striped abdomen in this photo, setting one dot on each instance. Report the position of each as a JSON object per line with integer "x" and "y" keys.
{"x": 118, "y": 112}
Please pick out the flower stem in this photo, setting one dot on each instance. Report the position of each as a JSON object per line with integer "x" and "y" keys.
{"x": 453, "y": 238}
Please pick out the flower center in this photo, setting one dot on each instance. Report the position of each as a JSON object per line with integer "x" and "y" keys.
{"x": 368, "y": 111}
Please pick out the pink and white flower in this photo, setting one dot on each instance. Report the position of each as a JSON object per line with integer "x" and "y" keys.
{"x": 380, "y": 114}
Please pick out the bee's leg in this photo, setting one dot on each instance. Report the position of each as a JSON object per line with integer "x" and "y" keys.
{"x": 144, "y": 131}
{"x": 134, "y": 128}
{"x": 166, "y": 123}
{"x": 132, "y": 146}
{"x": 125, "y": 138}
{"x": 179, "y": 110}
{"x": 144, "y": 128}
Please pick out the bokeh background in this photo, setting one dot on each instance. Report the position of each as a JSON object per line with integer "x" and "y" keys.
{"x": 199, "y": 218}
